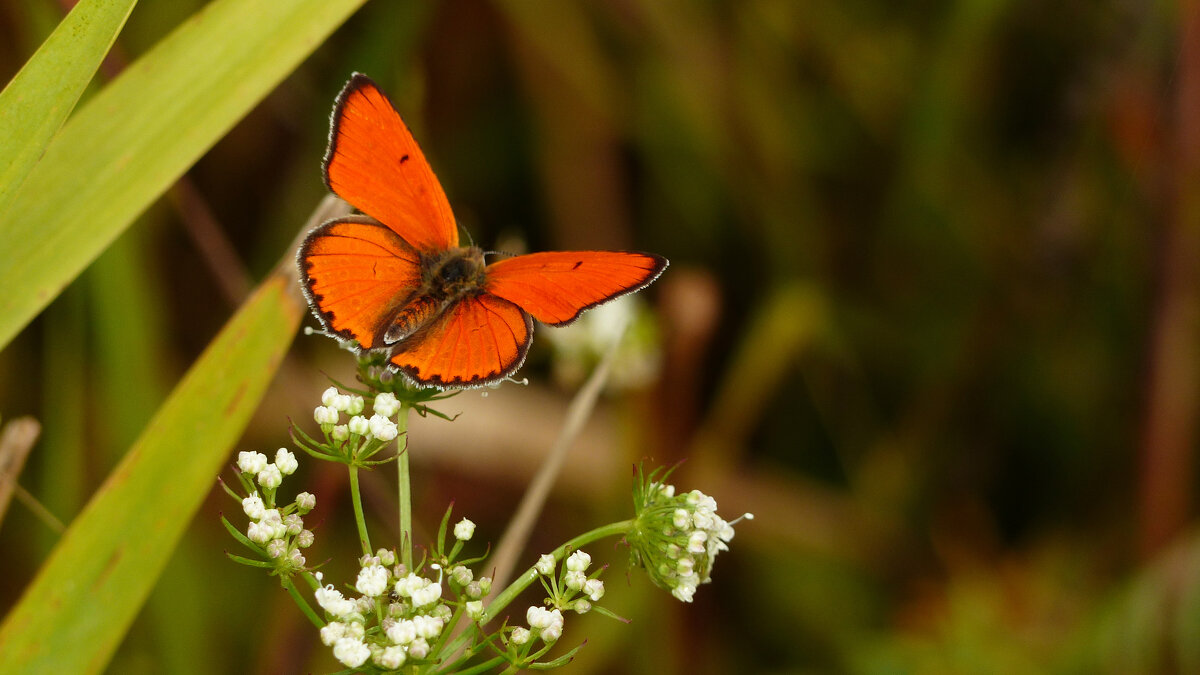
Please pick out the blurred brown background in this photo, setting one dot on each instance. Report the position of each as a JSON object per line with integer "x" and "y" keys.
{"x": 931, "y": 316}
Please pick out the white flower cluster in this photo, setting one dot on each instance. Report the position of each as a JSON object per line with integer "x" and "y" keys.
{"x": 572, "y": 590}
{"x": 379, "y": 426}
{"x": 410, "y": 625}
{"x": 280, "y": 531}
{"x": 677, "y": 538}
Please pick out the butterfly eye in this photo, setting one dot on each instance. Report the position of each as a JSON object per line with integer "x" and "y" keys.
{"x": 455, "y": 269}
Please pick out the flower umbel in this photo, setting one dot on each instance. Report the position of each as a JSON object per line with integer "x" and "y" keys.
{"x": 676, "y": 538}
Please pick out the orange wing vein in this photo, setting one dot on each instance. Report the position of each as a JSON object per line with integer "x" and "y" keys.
{"x": 374, "y": 163}
{"x": 476, "y": 340}
{"x": 556, "y": 286}
{"x": 357, "y": 273}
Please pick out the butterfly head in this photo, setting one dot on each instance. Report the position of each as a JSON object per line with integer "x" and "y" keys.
{"x": 454, "y": 272}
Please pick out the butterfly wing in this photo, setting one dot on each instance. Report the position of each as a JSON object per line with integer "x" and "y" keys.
{"x": 476, "y": 340}
{"x": 556, "y": 286}
{"x": 357, "y": 273}
{"x": 374, "y": 163}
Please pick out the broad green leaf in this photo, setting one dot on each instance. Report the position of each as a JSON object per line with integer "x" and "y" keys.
{"x": 130, "y": 142}
{"x": 34, "y": 105}
{"x": 75, "y": 612}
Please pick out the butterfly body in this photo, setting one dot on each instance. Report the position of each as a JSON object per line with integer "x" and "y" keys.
{"x": 396, "y": 278}
{"x": 446, "y": 277}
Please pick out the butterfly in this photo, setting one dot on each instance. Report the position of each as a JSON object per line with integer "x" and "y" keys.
{"x": 396, "y": 278}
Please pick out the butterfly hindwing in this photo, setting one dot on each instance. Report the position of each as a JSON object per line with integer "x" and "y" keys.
{"x": 476, "y": 340}
{"x": 374, "y": 163}
{"x": 357, "y": 273}
{"x": 556, "y": 286}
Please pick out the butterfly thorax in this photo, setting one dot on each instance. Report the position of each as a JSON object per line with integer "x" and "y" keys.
{"x": 446, "y": 276}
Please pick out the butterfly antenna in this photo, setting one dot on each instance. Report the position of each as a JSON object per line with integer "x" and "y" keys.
{"x": 501, "y": 253}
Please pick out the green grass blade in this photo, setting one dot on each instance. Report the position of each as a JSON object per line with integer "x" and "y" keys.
{"x": 34, "y": 105}
{"x": 94, "y": 582}
{"x": 127, "y": 144}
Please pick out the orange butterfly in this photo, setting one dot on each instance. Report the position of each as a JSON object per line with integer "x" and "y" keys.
{"x": 397, "y": 278}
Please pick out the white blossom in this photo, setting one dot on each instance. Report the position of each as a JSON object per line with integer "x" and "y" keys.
{"x": 270, "y": 477}
{"x": 545, "y": 565}
{"x": 330, "y": 599}
{"x": 305, "y": 502}
{"x": 519, "y": 636}
{"x": 427, "y": 595}
{"x": 578, "y": 561}
{"x": 418, "y": 648}
{"x": 372, "y": 581}
{"x": 464, "y": 530}
{"x": 386, "y": 404}
{"x": 402, "y": 632}
{"x": 340, "y": 433}
{"x": 684, "y": 592}
{"x": 305, "y": 538}
{"x": 594, "y": 589}
{"x": 332, "y": 632}
{"x": 461, "y": 575}
{"x": 474, "y": 609}
{"x": 251, "y": 462}
{"x": 358, "y": 425}
{"x": 253, "y": 506}
{"x": 329, "y": 396}
{"x": 276, "y": 548}
{"x": 356, "y": 405}
{"x": 286, "y": 461}
{"x": 382, "y": 428}
{"x": 574, "y": 580}
{"x": 259, "y": 532}
{"x": 682, "y": 518}
{"x": 427, "y": 627}
{"x": 324, "y": 414}
{"x": 392, "y": 657}
{"x": 351, "y": 651}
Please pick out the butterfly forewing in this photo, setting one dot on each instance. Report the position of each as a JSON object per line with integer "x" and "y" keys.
{"x": 556, "y": 286}
{"x": 357, "y": 274}
{"x": 374, "y": 163}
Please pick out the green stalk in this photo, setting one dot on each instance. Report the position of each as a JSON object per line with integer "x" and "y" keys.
{"x": 530, "y": 575}
{"x": 404, "y": 489}
{"x": 358, "y": 511}
{"x": 302, "y": 603}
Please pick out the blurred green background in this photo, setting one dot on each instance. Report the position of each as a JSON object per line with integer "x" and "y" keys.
{"x": 931, "y": 315}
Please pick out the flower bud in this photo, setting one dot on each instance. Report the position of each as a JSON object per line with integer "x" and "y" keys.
{"x": 382, "y": 428}
{"x": 386, "y": 404}
{"x": 325, "y": 415}
{"x": 358, "y": 425}
{"x": 519, "y": 636}
{"x": 270, "y": 477}
{"x": 251, "y": 462}
{"x": 286, "y": 461}
{"x": 474, "y": 609}
{"x": 545, "y": 565}
{"x": 305, "y": 502}
{"x": 578, "y": 561}
{"x": 464, "y": 530}
{"x": 253, "y": 506}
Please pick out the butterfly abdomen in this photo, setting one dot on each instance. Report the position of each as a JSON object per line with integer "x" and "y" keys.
{"x": 417, "y": 312}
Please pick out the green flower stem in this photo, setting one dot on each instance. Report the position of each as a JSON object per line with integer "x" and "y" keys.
{"x": 530, "y": 575}
{"x": 483, "y": 667}
{"x": 404, "y": 488}
{"x": 356, "y": 497}
{"x": 301, "y": 602}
